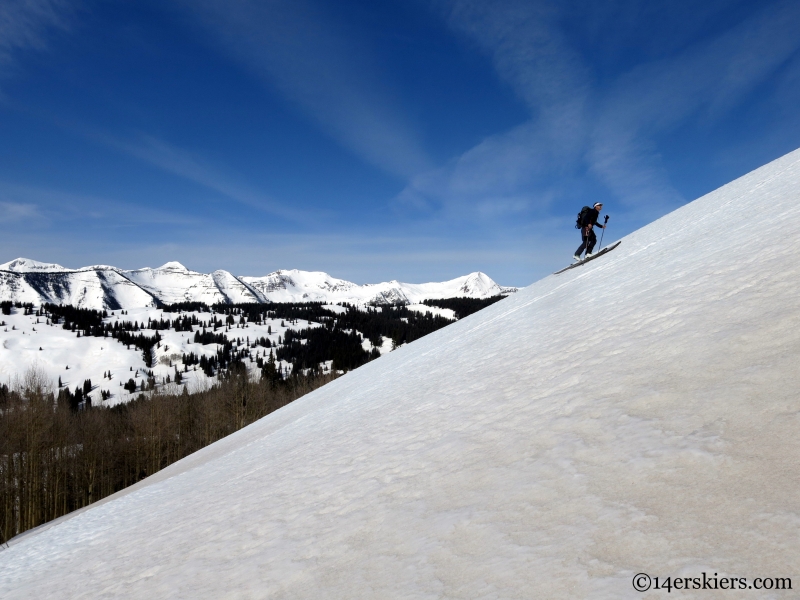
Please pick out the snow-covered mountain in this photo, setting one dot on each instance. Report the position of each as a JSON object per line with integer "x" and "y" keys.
{"x": 26, "y": 265}
{"x": 305, "y": 286}
{"x": 638, "y": 414}
{"x": 106, "y": 287}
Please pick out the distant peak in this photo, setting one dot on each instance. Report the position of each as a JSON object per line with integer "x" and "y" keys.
{"x": 477, "y": 275}
{"x": 173, "y": 265}
{"x": 27, "y": 265}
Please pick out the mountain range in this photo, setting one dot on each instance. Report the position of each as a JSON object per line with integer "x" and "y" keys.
{"x": 108, "y": 287}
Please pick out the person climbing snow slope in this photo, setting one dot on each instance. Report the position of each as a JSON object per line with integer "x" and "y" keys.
{"x": 587, "y": 221}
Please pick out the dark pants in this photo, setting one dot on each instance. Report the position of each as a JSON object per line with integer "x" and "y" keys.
{"x": 588, "y": 242}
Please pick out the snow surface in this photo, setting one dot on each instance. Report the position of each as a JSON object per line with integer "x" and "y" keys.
{"x": 104, "y": 287}
{"x": 335, "y": 308}
{"x": 637, "y": 414}
{"x": 436, "y": 311}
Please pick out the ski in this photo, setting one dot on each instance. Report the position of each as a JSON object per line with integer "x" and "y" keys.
{"x": 592, "y": 257}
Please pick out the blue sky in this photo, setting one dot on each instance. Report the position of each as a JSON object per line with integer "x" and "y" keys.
{"x": 416, "y": 140}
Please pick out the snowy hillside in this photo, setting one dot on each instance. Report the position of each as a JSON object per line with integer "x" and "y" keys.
{"x": 636, "y": 414}
{"x": 105, "y": 287}
{"x": 27, "y": 340}
{"x": 90, "y": 346}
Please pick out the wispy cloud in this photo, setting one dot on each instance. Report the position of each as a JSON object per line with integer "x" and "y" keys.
{"x": 508, "y": 170}
{"x": 25, "y": 24}
{"x": 191, "y": 167}
{"x": 46, "y": 207}
{"x": 504, "y": 171}
{"x": 174, "y": 160}
{"x": 12, "y": 212}
{"x": 580, "y": 126}
{"x": 705, "y": 81}
{"x": 297, "y": 48}
{"x": 531, "y": 52}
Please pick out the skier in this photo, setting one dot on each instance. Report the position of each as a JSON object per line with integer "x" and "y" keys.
{"x": 588, "y": 220}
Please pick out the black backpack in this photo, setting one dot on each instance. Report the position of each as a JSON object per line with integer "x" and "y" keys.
{"x": 581, "y": 217}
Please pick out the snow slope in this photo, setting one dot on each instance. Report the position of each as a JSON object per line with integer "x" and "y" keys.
{"x": 173, "y": 283}
{"x": 91, "y": 287}
{"x": 105, "y": 287}
{"x": 637, "y": 414}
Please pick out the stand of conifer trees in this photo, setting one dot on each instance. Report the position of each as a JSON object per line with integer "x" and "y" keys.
{"x": 463, "y": 307}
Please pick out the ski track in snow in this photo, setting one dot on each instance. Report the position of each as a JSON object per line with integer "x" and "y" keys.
{"x": 637, "y": 415}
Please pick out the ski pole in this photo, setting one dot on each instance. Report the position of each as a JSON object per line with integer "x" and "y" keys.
{"x": 602, "y": 234}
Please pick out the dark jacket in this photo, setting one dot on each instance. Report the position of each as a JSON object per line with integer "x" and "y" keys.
{"x": 590, "y": 218}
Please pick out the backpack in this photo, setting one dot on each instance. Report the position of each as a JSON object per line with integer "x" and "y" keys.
{"x": 581, "y": 217}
